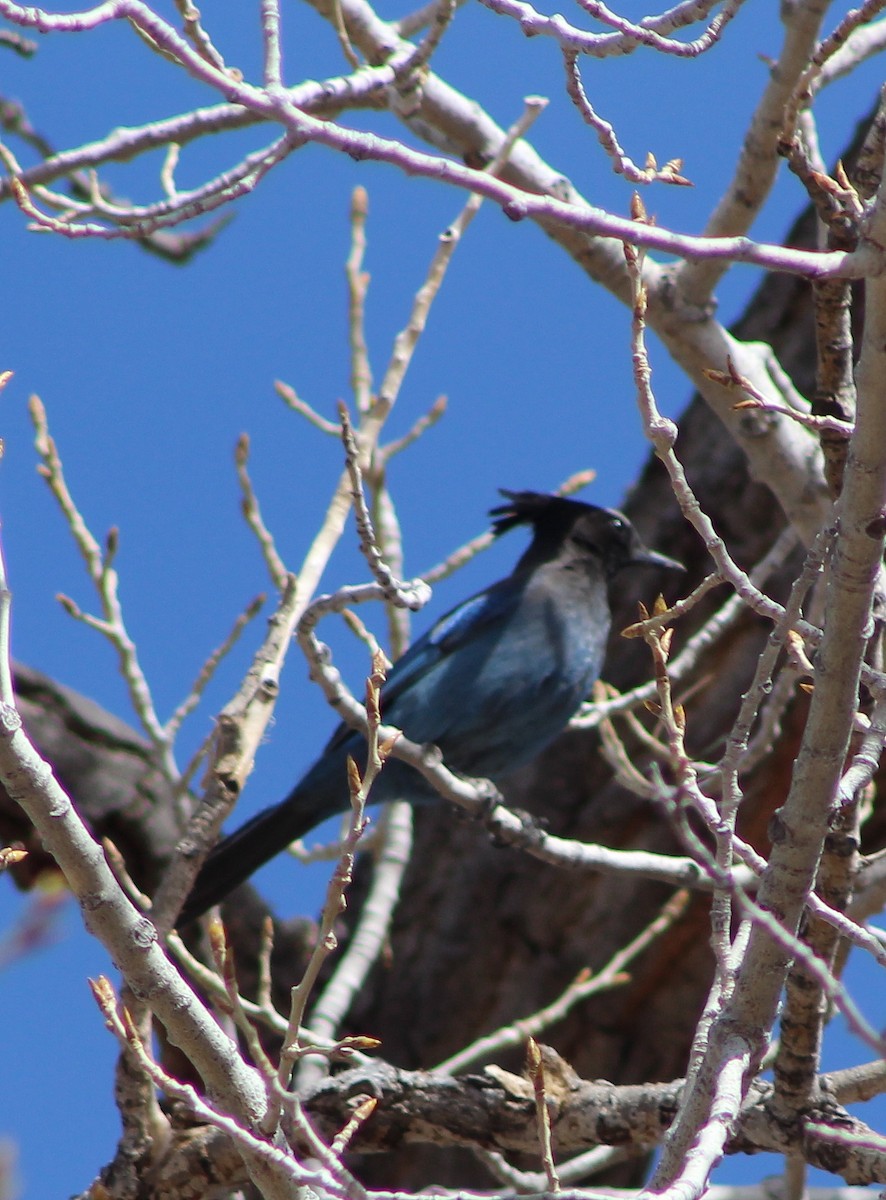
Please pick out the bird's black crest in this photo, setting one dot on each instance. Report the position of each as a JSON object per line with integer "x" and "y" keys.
{"x": 528, "y": 508}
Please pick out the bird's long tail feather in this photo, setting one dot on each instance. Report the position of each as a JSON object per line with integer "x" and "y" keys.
{"x": 236, "y": 857}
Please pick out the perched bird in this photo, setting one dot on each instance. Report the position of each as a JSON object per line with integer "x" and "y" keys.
{"x": 491, "y": 684}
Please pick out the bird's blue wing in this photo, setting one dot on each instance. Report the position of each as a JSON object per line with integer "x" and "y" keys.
{"x": 451, "y": 633}
{"x": 454, "y": 630}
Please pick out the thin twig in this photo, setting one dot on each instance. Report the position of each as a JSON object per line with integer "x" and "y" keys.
{"x": 335, "y": 896}
{"x": 252, "y": 515}
{"x": 211, "y": 665}
{"x": 99, "y": 565}
{"x": 358, "y": 285}
{"x": 536, "y": 1071}
{"x": 295, "y": 402}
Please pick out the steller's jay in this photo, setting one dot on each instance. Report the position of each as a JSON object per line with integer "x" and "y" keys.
{"x": 491, "y": 684}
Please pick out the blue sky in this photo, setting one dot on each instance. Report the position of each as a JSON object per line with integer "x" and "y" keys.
{"x": 150, "y": 372}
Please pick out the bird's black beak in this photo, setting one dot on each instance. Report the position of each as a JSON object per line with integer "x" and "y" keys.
{"x": 652, "y": 558}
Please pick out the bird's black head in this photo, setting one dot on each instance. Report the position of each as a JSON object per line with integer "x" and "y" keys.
{"x": 562, "y": 526}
